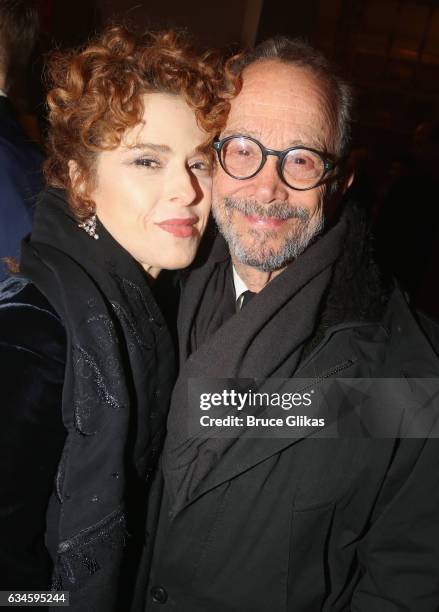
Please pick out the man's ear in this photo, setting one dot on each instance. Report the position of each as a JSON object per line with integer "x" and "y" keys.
{"x": 348, "y": 181}
{"x": 337, "y": 196}
{"x": 345, "y": 180}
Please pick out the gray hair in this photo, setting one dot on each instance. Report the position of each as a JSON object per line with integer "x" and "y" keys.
{"x": 299, "y": 53}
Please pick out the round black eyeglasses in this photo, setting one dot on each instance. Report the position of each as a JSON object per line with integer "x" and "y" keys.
{"x": 301, "y": 168}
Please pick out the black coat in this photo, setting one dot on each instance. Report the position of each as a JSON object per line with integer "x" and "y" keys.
{"x": 32, "y": 357}
{"x": 32, "y": 438}
{"x": 314, "y": 524}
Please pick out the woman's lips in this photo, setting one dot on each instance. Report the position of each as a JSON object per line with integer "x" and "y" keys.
{"x": 182, "y": 228}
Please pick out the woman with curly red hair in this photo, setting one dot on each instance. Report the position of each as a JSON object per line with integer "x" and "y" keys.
{"x": 87, "y": 359}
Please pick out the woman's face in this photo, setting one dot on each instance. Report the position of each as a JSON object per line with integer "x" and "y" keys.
{"x": 153, "y": 192}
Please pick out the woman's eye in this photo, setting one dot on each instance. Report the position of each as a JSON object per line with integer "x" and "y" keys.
{"x": 147, "y": 162}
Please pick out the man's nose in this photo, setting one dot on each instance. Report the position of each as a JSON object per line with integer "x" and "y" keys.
{"x": 267, "y": 186}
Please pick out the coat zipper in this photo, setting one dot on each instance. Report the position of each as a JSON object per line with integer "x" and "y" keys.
{"x": 329, "y": 373}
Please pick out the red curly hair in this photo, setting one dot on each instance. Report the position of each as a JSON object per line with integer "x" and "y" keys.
{"x": 96, "y": 95}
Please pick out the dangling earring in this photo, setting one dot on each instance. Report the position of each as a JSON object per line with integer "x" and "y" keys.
{"x": 89, "y": 225}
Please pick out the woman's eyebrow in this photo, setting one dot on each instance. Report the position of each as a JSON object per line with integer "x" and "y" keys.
{"x": 161, "y": 148}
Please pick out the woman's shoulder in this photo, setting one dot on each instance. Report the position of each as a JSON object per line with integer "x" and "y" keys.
{"x": 20, "y": 290}
{"x": 28, "y": 321}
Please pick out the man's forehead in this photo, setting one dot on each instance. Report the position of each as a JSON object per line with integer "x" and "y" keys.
{"x": 284, "y": 101}
{"x": 269, "y": 80}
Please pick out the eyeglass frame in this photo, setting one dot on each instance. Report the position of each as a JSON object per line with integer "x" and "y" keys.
{"x": 328, "y": 165}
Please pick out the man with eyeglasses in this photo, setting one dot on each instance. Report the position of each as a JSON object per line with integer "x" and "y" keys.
{"x": 290, "y": 290}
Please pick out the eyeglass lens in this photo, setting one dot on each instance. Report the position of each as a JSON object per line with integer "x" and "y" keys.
{"x": 242, "y": 157}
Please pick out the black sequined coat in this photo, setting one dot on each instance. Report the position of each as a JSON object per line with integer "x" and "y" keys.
{"x": 81, "y": 429}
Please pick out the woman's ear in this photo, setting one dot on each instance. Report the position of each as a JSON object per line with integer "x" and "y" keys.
{"x": 75, "y": 176}
{"x": 79, "y": 189}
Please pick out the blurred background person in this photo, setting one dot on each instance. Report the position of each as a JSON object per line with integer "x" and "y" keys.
{"x": 20, "y": 159}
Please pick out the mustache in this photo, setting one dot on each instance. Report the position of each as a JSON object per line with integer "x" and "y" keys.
{"x": 277, "y": 210}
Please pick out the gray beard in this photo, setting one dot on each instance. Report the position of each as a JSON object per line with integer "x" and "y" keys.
{"x": 260, "y": 255}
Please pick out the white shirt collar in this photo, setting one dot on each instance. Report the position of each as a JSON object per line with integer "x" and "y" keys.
{"x": 240, "y": 287}
{"x": 2, "y": 94}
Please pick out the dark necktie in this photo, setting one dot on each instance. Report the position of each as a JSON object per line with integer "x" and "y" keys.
{"x": 247, "y": 296}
